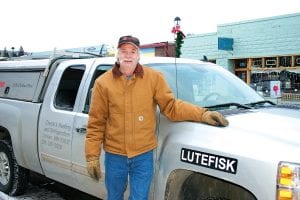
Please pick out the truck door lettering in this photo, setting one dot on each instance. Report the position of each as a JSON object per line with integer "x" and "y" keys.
{"x": 217, "y": 162}
{"x": 56, "y": 135}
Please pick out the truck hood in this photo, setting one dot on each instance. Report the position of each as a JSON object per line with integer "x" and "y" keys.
{"x": 270, "y": 131}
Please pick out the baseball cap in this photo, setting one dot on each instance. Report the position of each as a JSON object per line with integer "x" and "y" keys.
{"x": 128, "y": 39}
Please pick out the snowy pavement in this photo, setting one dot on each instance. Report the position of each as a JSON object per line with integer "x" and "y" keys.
{"x": 38, "y": 193}
{"x": 45, "y": 189}
{"x": 34, "y": 193}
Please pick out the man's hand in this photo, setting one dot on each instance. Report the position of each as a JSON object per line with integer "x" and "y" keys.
{"x": 93, "y": 168}
{"x": 214, "y": 118}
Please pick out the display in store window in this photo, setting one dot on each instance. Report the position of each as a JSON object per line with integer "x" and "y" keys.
{"x": 271, "y": 62}
{"x": 256, "y": 62}
{"x": 285, "y": 61}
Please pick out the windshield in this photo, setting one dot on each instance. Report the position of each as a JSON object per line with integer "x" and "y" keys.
{"x": 206, "y": 84}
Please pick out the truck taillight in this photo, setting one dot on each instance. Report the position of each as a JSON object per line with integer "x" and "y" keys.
{"x": 288, "y": 181}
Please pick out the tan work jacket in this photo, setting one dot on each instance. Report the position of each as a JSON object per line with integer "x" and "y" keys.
{"x": 122, "y": 115}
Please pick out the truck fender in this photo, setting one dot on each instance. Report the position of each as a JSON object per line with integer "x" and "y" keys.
{"x": 10, "y": 120}
{"x": 182, "y": 182}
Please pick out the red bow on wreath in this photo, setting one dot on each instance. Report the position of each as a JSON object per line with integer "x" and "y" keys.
{"x": 176, "y": 29}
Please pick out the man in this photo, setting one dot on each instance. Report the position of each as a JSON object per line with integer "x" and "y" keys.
{"x": 122, "y": 118}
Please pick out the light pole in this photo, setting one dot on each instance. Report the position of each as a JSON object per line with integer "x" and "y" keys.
{"x": 177, "y": 21}
{"x": 176, "y": 26}
{"x": 178, "y": 36}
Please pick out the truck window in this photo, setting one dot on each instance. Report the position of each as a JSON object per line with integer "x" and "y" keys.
{"x": 98, "y": 72}
{"x": 68, "y": 87}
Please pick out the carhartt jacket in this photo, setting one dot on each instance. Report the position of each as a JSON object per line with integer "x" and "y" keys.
{"x": 122, "y": 115}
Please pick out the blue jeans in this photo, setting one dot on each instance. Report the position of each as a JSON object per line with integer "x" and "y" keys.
{"x": 140, "y": 172}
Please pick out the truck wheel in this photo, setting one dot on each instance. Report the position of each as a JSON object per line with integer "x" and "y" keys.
{"x": 200, "y": 186}
{"x": 13, "y": 178}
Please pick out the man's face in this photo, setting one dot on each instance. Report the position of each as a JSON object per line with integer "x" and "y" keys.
{"x": 128, "y": 56}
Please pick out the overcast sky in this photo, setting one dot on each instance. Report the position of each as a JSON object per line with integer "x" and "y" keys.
{"x": 40, "y": 25}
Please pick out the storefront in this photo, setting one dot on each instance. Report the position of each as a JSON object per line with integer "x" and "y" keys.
{"x": 265, "y": 53}
{"x": 273, "y": 77}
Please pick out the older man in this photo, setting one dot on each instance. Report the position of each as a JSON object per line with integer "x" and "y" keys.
{"x": 122, "y": 118}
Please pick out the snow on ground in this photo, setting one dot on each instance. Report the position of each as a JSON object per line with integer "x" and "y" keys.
{"x": 34, "y": 193}
{"x": 41, "y": 188}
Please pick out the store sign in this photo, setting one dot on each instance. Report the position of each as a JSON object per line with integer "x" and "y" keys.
{"x": 275, "y": 89}
{"x": 225, "y": 43}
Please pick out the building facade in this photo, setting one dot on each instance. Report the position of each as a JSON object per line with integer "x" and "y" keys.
{"x": 265, "y": 53}
{"x": 164, "y": 49}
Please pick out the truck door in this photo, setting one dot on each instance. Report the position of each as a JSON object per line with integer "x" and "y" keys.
{"x": 56, "y": 122}
{"x": 85, "y": 183}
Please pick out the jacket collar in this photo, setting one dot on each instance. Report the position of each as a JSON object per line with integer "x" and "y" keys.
{"x": 139, "y": 71}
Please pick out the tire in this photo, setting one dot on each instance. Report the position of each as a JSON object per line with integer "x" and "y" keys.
{"x": 13, "y": 178}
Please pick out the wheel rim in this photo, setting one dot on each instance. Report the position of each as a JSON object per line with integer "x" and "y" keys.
{"x": 4, "y": 169}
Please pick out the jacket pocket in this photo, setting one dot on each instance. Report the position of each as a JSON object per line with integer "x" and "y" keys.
{"x": 114, "y": 133}
{"x": 144, "y": 129}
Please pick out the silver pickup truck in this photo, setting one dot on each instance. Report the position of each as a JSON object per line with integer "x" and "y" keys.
{"x": 44, "y": 108}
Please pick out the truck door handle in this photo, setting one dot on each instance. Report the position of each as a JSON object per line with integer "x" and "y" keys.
{"x": 81, "y": 130}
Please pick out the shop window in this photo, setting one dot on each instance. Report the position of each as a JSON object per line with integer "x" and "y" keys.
{"x": 285, "y": 61}
{"x": 241, "y": 63}
{"x": 256, "y": 62}
{"x": 242, "y": 75}
{"x": 289, "y": 81}
{"x": 264, "y": 74}
{"x": 271, "y": 62}
{"x": 297, "y": 61}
